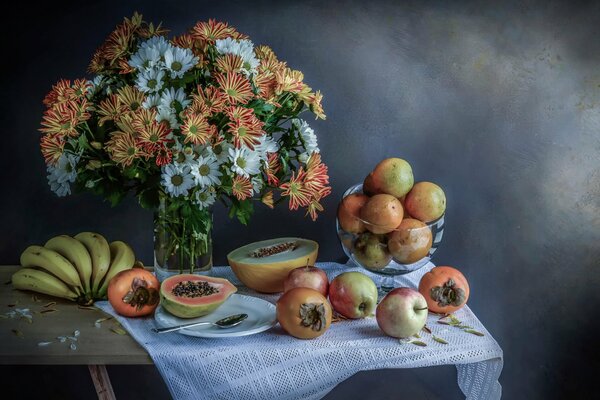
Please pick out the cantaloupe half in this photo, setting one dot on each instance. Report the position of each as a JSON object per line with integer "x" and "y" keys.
{"x": 264, "y": 265}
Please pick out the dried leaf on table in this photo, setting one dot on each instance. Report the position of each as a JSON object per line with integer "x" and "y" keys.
{"x": 18, "y": 333}
{"x": 49, "y": 310}
{"x": 49, "y": 304}
{"x": 439, "y": 340}
{"x": 418, "y": 343}
{"x": 87, "y": 308}
{"x": 118, "y": 330}
{"x": 474, "y": 332}
{"x": 426, "y": 329}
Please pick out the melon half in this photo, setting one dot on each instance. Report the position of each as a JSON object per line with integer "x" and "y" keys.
{"x": 264, "y": 265}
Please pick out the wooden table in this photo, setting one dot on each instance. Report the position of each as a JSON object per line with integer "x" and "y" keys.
{"x": 96, "y": 347}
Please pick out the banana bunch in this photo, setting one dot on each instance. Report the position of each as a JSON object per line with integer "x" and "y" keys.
{"x": 76, "y": 268}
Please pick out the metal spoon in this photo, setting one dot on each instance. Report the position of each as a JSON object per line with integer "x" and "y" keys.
{"x": 223, "y": 323}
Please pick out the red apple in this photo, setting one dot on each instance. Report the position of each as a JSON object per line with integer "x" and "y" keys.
{"x": 402, "y": 313}
{"x": 307, "y": 277}
{"x": 353, "y": 295}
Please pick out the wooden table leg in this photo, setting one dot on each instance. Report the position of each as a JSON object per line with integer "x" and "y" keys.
{"x": 102, "y": 382}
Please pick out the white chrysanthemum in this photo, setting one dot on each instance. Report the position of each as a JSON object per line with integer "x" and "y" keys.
{"x": 205, "y": 197}
{"x": 307, "y": 137}
{"x": 243, "y": 48}
{"x": 158, "y": 43}
{"x": 174, "y": 99}
{"x": 266, "y": 145}
{"x": 146, "y": 58}
{"x": 178, "y": 61}
{"x": 166, "y": 114}
{"x": 177, "y": 179}
{"x": 183, "y": 153}
{"x": 245, "y": 162}
{"x": 61, "y": 175}
{"x": 206, "y": 171}
{"x": 221, "y": 151}
{"x": 150, "y": 81}
{"x": 257, "y": 183}
{"x": 152, "y": 100}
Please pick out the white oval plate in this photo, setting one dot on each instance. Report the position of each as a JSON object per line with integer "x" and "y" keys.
{"x": 261, "y": 317}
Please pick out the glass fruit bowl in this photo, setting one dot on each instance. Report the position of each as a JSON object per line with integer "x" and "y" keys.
{"x": 397, "y": 245}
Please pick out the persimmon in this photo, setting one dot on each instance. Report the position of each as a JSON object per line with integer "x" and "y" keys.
{"x": 445, "y": 288}
{"x": 304, "y": 313}
{"x": 134, "y": 292}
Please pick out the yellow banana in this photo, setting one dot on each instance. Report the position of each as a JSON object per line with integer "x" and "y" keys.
{"x": 74, "y": 251}
{"x": 41, "y": 282}
{"x": 51, "y": 261}
{"x": 99, "y": 251}
{"x": 121, "y": 258}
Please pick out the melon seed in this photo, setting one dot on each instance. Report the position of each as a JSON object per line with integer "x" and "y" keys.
{"x": 194, "y": 289}
{"x": 275, "y": 249}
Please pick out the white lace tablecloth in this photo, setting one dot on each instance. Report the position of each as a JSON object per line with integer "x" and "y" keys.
{"x": 277, "y": 366}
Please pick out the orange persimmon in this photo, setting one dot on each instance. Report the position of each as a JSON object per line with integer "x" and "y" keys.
{"x": 445, "y": 288}
{"x": 134, "y": 292}
{"x": 304, "y": 313}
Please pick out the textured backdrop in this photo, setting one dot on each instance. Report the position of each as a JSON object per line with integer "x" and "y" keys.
{"x": 499, "y": 104}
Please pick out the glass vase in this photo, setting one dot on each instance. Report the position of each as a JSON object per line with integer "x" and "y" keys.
{"x": 182, "y": 238}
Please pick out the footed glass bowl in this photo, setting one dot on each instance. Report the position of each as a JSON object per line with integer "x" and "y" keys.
{"x": 381, "y": 249}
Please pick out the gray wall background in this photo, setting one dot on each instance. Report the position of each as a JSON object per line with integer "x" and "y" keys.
{"x": 498, "y": 102}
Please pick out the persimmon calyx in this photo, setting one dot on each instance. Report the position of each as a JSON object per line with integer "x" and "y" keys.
{"x": 448, "y": 294}
{"x": 313, "y": 315}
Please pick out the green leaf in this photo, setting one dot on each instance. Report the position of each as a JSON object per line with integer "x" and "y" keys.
{"x": 439, "y": 340}
{"x": 418, "y": 343}
{"x": 148, "y": 198}
{"x": 474, "y": 332}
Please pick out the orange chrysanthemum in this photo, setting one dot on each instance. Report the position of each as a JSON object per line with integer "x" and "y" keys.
{"x": 241, "y": 187}
{"x": 110, "y": 109}
{"x": 313, "y": 207}
{"x": 314, "y": 101}
{"x": 164, "y": 156}
{"x": 60, "y": 120}
{"x": 316, "y": 173}
{"x": 267, "y": 199}
{"x": 235, "y": 87}
{"x": 210, "y": 100}
{"x": 64, "y": 91}
{"x": 154, "y": 137}
{"x": 289, "y": 80}
{"x": 61, "y": 91}
{"x": 211, "y": 31}
{"x": 264, "y": 53}
{"x": 124, "y": 67}
{"x": 52, "y": 148}
{"x": 118, "y": 43}
{"x": 197, "y": 130}
{"x": 272, "y": 168}
{"x": 230, "y": 63}
{"x": 244, "y": 126}
{"x": 185, "y": 41}
{"x": 299, "y": 194}
{"x": 143, "y": 118}
{"x": 266, "y": 83}
{"x": 123, "y": 148}
{"x": 130, "y": 97}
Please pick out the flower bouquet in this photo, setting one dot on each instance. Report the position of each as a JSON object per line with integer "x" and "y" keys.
{"x": 181, "y": 123}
